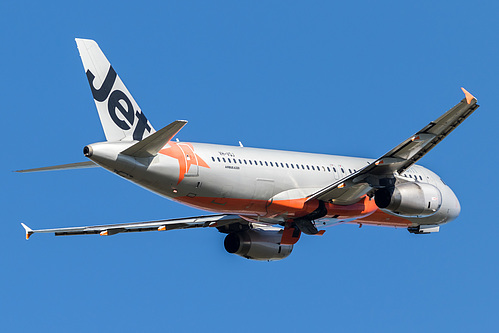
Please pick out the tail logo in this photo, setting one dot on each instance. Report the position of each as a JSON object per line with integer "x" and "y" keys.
{"x": 118, "y": 101}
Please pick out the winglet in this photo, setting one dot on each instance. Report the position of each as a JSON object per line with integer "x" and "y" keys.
{"x": 469, "y": 97}
{"x": 29, "y": 232}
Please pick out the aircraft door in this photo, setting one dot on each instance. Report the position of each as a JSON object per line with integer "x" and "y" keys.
{"x": 335, "y": 171}
{"x": 264, "y": 190}
{"x": 191, "y": 160}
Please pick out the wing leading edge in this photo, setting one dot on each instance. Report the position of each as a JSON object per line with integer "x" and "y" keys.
{"x": 159, "y": 225}
{"x": 351, "y": 188}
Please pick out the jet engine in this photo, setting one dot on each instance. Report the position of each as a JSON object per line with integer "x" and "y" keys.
{"x": 409, "y": 199}
{"x": 258, "y": 244}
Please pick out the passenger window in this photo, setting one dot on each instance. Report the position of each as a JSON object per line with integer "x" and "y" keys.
{"x": 261, "y": 163}
{"x": 308, "y": 168}
{"x": 287, "y": 166}
{"x": 350, "y": 170}
{"x": 218, "y": 158}
{"x": 213, "y": 159}
{"x": 266, "y": 164}
{"x": 292, "y": 166}
{"x": 328, "y": 170}
{"x": 271, "y": 164}
{"x": 303, "y": 167}
{"x": 246, "y": 162}
{"x": 334, "y": 169}
{"x": 276, "y": 164}
{"x": 250, "y": 162}
{"x": 313, "y": 168}
{"x": 342, "y": 171}
{"x": 282, "y": 165}
{"x": 223, "y": 158}
{"x": 240, "y": 161}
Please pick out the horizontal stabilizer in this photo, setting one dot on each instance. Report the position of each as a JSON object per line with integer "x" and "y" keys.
{"x": 79, "y": 165}
{"x": 151, "y": 145}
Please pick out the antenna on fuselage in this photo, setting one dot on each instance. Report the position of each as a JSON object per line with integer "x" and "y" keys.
{"x": 240, "y": 144}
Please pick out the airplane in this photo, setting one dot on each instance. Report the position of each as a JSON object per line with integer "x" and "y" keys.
{"x": 262, "y": 199}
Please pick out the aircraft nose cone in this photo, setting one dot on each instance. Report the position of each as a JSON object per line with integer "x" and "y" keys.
{"x": 454, "y": 207}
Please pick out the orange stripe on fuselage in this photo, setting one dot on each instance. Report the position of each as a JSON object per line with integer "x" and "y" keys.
{"x": 364, "y": 207}
{"x": 287, "y": 208}
{"x": 365, "y": 211}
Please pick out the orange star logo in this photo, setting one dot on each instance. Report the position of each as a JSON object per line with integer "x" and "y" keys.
{"x": 185, "y": 155}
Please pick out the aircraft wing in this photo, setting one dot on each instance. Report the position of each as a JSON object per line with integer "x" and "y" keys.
{"x": 351, "y": 188}
{"x": 160, "y": 225}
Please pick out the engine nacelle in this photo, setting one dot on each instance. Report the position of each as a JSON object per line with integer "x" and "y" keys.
{"x": 258, "y": 244}
{"x": 409, "y": 199}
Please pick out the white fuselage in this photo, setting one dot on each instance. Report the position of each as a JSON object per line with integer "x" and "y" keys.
{"x": 259, "y": 183}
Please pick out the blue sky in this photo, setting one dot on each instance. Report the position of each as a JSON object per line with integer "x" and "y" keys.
{"x": 352, "y": 78}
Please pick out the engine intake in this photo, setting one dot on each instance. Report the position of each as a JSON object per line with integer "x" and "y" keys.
{"x": 409, "y": 199}
{"x": 258, "y": 244}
